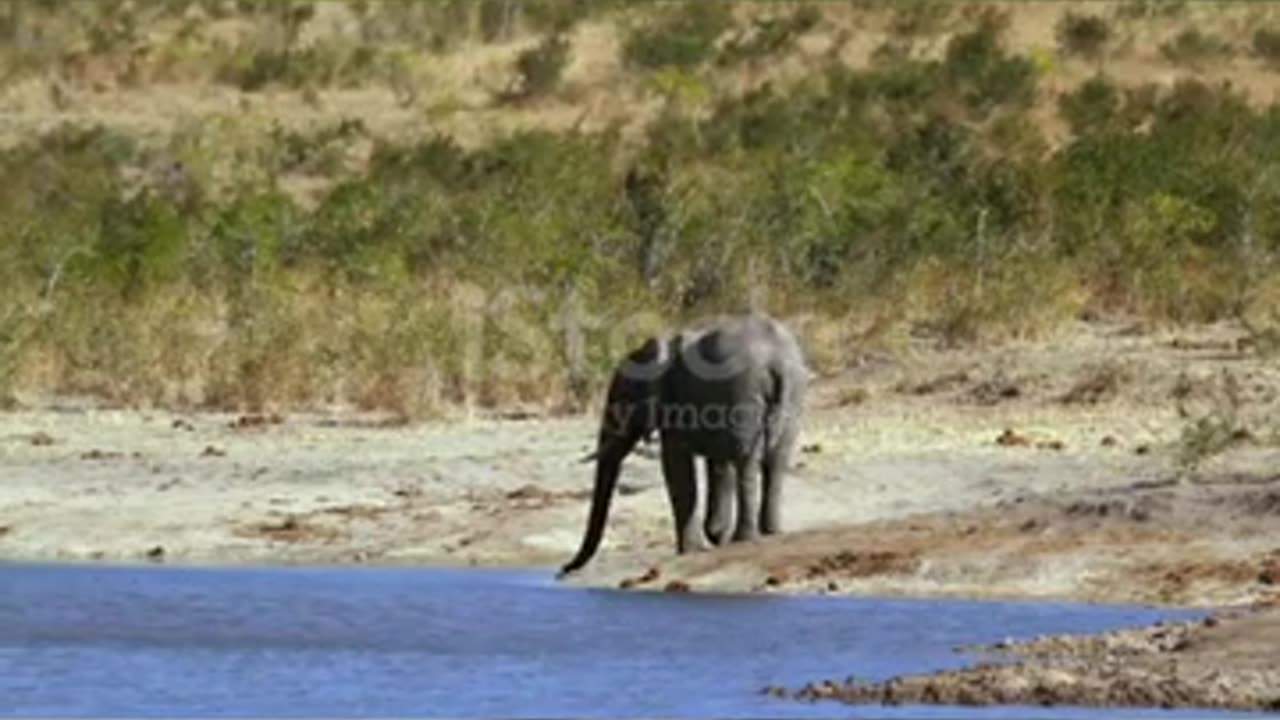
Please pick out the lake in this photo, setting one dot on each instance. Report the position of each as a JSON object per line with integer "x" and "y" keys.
{"x": 107, "y": 640}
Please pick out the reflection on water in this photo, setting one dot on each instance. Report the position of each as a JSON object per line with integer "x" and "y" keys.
{"x": 102, "y": 640}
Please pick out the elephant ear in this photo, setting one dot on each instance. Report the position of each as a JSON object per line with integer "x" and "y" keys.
{"x": 648, "y": 362}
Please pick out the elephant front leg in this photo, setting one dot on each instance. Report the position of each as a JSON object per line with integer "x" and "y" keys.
{"x": 721, "y": 485}
{"x": 682, "y": 489}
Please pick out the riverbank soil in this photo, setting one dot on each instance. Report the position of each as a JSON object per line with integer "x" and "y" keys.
{"x": 1112, "y": 463}
{"x": 1226, "y": 661}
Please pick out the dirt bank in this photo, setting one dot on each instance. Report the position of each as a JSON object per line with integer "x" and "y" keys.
{"x": 1226, "y": 661}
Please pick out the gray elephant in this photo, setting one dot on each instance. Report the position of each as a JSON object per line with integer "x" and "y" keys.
{"x": 731, "y": 393}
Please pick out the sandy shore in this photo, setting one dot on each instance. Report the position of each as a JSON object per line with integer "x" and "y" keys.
{"x": 1038, "y": 470}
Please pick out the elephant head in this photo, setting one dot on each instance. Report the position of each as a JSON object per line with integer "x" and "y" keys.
{"x": 630, "y": 415}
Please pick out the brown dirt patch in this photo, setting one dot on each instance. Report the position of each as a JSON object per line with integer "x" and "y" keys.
{"x": 855, "y": 564}
{"x": 96, "y": 454}
{"x": 1165, "y": 665}
{"x": 255, "y": 421}
{"x": 292, "y": 529}
{"x": 360, "y": 512}
{"x": 42, "y": 439}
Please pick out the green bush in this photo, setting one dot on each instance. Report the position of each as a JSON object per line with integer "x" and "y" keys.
{"x": 1149, "y": 9}
{"x": 983, "y": 75}
{"x": 913, "y": 18}
{"x": 320, "y": 65}
{"x": 540, "y": 67}
{"x": 684, "y": 39}
{"x": 1092, "y": 108}
{"x": 1266, "y": 45}
{"x": 1084, "y": 35}
{"x": 768, "y": 36}
{"x": 1193, "y": 48}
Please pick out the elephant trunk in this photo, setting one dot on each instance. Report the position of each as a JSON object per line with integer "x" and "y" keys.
{"x": 608, "y": 466}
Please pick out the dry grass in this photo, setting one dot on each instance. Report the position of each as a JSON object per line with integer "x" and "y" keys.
{"x": 312, "y": 346}
{"x": 455, "y": 89}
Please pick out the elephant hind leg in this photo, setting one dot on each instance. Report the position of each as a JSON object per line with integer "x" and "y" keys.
{"x": 774, "y": 466}
{"x": 721, "y": 485}
{"x": 748, "y": 522}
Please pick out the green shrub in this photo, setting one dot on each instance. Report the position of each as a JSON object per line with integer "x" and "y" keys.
{"x": 684, "y": 39}
{"x": 1084, "y": 35}
{"x": 320, "y": 65}
{"x": 1092, "y": 108}
{"x": 913, "y": 18}
{"x": 559, "y": 16}
{"x": 140, "y": 243}
{"x": 1193, "y": 48}
{"x": 539, "y": 68}
{"x": 768, "y": 36}
{"x": 983, "y": 75}
{"x": 1266, "y": 45}
{"x": 496, "y": 19}
{"x": 1150, "y": 9}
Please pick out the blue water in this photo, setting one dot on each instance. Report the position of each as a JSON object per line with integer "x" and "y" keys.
{"x": 343, "y": 642}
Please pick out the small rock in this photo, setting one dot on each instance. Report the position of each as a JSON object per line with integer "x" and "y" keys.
{"x": 772, "y": 581}
{"x": 1142, "y": 450}
{"x": 407, "y": 491}
{"x": 181, "y": 424}
{"x": 42, "y": 439}
{"x": 649, "y": 576}
{"x": 1009, "y": 438}
{"x": 833, "y": 586}
{"x": 528, "y": 491}
{"x": 156, "y": 553}
{"x": 1270, "y": 573}
{"x": 211, "y": 451}
{"x": 1109, "y": 441}
{"x": 811, "y": 448}
{"x": 677, "y": 586}
{"x": 775, "y": 691}
{"x": 245, "y": 422}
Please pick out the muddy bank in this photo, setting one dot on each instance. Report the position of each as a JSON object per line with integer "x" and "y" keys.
{"x": 1227, "y": 661}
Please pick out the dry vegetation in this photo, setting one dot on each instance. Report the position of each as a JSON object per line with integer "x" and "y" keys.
{"x": 416, "y": 206}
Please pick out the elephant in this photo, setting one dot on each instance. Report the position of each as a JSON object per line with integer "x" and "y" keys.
{"x": 730, "y": 392}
